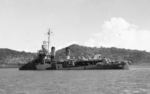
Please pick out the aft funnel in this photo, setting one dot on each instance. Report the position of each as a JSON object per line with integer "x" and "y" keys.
{"x": 67, "y": 53}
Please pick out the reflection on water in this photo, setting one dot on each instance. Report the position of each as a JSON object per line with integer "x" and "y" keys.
{"x": 133, "y": 81}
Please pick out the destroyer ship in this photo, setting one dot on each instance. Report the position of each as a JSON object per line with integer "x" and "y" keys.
{"x": 46, "y": 61}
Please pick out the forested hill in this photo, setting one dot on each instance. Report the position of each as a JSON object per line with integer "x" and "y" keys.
{"x": 113, "y": 53}
{"x": 8, "y": 56}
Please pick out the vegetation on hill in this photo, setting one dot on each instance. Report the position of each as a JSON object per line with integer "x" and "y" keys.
{"x": 113, "y": 53}
{"x": 8, "y": 56}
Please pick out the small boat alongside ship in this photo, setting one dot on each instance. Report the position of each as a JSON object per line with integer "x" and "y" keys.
{"x": 46, "y": 61}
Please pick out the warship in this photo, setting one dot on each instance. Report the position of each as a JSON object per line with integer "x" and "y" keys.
{"x": 46, "y": 61}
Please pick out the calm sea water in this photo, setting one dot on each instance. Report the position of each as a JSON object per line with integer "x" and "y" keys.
{"x": 133, "y": 81}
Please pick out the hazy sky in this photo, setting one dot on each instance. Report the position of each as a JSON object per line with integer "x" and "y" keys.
{"x": 108, "y": 23}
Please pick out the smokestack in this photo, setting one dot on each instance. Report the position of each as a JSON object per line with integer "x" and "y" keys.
{"x": 67, "y": 53}
{"x": 52, "y": 53}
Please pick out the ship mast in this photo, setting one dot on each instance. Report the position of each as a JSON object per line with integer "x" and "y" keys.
{"x": 49, "y": 32}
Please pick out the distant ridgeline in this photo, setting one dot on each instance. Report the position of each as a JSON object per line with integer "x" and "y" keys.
{"x": 8, "y": 56}
{"x": 113, "y": 53}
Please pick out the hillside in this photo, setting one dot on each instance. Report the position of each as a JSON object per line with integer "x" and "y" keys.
{"x": 8, "y": 56}
{"x": 113, "y": 53}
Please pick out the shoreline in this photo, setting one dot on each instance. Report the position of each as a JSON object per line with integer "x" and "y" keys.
{"x": 135, "y": 65}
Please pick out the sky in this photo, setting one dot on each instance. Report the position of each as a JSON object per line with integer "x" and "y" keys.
{"x": 94, "y": 23}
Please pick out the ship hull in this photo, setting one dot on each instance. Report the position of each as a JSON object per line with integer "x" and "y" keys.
{"x": 43, "y": 66}
{"x": 64, "y": 66}
{"x": 89, "y": 67}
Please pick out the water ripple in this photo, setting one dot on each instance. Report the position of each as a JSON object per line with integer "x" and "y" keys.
{"x": 133, "y": 81}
